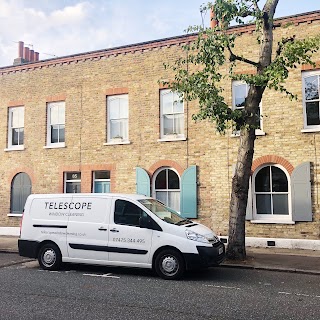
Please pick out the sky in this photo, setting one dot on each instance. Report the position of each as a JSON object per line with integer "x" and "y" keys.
{"x": 56, "y": 28}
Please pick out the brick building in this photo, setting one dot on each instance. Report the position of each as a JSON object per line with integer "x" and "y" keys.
{"x": 99, "y": 122}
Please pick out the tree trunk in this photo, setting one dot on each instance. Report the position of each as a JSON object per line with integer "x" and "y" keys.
{"x": 236, "y": 249}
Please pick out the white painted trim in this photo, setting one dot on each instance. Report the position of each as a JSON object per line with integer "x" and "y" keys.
{"x": 281, "y": 243}
{"x": 9, "y": 231}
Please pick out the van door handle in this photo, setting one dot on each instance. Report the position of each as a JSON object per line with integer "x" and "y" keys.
{"x": 102, "y": 229}
{"x": 114, "y": 230}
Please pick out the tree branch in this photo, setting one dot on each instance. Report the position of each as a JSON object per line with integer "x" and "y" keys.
{"x": 282, "y": 43}
{"x": 234, "y": 57}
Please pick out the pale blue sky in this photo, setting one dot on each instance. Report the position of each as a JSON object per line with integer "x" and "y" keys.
{"x": 63, "y": 27}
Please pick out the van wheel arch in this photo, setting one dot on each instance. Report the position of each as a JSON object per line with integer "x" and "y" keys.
{"x": 49, "y": 255}
{"x": 172, "y": 255}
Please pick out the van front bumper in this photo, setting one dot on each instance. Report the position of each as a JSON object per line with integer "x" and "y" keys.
{"x": 28, "y": 248}
{"x": 206, "y": 257}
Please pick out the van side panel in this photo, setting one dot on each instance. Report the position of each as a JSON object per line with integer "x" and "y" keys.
{"x": 87, "y": 232}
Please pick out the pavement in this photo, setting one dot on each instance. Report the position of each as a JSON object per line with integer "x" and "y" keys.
{"x": 274, "y": 259}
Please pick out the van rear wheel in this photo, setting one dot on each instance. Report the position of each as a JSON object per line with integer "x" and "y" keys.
{"x": 49, "y": 257}
{"x": 169, "y": 264}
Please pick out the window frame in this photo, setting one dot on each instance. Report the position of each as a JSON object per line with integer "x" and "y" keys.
{"x": 65, "y": 181}
{"x": 235, "y": 83}
{"x": 116, "y": 140}
{"x": 154, "y": 190}
{"x": 173, "y": 135}
{"x": 271, "y": 218}
{"x": 18, "y": 214}
{"x": 94, "y": 179}
{"x": 306, "y": 127}
{"x": 10, "y": 128}
{"x": 51, "y": 144}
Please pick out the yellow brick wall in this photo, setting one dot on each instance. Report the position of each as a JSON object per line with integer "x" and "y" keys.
{"x": 84, "y": 85}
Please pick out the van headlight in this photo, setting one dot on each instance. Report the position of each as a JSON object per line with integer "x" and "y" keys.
{"x": 196, "y": 236}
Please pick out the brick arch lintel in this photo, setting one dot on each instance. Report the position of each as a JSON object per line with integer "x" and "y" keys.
{"x": 166, "y": 163}
{"x": 272, "y": 159}
{"x": 26, "y": 170}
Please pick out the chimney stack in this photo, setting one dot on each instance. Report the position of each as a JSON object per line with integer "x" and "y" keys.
{"x": 25, "y": 55}
{"x": 213, "y": 20}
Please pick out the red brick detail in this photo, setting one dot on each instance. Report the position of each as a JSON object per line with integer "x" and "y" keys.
{"x": 26, "y": 170}
{"x": 15, "y": 103}
{"x": 307, "y": 67}
{"x": 60, "y": 97}
{"x": 272, "y": 159}
{"x": 165, "y": 86}
{"x": 86, "y": 175}
{"x": 114, "y": 91}
{"x": 166, "y": 163}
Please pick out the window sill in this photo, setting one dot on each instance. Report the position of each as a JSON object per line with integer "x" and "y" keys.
{"x": 14, "y": 215}
{"x": 55, "y": 146}
{"x": 20, "y": 148}
{"x": 273, "y": 221}
{"x": 170, "y": 139}
{"x": 310, "y": 130}
{"x": 112, "y": 143}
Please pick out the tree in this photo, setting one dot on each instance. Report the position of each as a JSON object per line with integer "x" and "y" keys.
{"x": 214, "y": 48}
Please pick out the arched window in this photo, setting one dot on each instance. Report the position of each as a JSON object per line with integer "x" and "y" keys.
{"x": 166, "y": 184}
{"x": 20, "y": 190}
{"x": 271, "y": 192}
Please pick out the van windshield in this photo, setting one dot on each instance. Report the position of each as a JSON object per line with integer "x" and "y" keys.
{"x": 163, "y": 212}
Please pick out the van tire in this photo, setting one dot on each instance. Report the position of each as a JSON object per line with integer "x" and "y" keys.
{"x": 169, "y": 264}
{"x": 49, "y": 257}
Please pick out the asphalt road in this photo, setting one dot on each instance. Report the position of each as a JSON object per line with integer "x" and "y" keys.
{"x": 82, "y": 292}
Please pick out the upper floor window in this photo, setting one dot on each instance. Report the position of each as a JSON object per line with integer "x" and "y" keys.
{"x": 239, "y": 94}
{"x": 271, "y": 193}
{"x": 72, "y": 182}
{"x": 56, "y": 124}
{"x": 172, "y": 115}
{"x": 16, "y": 128}
{"x": 117, "y": 118}
{"x": 311, "y": 100}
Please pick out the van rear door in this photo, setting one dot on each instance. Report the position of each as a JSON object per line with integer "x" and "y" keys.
{"x": 87, "y": 233}
{"x": 128, "y": 243}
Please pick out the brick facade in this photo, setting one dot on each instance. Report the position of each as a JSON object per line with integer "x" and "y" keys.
{"x": 84, "y": 81}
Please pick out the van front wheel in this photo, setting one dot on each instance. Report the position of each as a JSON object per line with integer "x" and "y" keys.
{"x": 169, "y": 264}
{"x": 49, "y": 257}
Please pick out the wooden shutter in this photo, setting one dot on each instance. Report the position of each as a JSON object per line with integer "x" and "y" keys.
{"x": 142, "y": 182}
{"x": 188, "y": 195}
{"x": 301, "y": 193}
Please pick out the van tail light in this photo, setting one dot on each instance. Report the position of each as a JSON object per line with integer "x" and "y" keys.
{"x": 21, "y": 222}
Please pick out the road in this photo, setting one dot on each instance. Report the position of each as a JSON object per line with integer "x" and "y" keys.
{"x": 83, "y": 292}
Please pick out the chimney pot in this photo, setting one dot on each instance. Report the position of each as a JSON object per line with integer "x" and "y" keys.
{"x": 31, "y": 55}
{"x": 20, "y": 49}
{"x": 26, "y": 55}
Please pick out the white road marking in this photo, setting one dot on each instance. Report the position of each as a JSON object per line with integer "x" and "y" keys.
{"x": 223, "y": 287}
{"x": 108, "y": 275}
{"x": 300, "y": 294}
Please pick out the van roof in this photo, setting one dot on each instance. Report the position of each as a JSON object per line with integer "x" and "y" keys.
{"x": 90, "y": 195}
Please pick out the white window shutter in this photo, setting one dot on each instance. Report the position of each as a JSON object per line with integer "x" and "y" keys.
{"x": 301, "y": 193}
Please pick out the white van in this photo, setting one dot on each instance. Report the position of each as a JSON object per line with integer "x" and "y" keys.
{"x": 115, "y": 230}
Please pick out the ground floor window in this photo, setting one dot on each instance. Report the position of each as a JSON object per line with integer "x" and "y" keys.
{"x": 72, "y": 182}
{"x": 167, "y": 187}
{"x": 101, "y": 181}
{"x": 20, "y": 190}
{"x": 271, "y": 192}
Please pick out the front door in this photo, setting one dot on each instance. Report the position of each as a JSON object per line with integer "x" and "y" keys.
{"x": 128, "y": 243}
{"x": 87, "y": 233}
